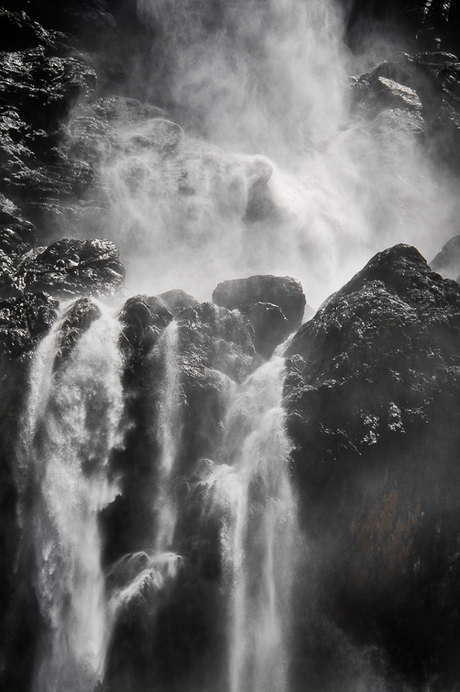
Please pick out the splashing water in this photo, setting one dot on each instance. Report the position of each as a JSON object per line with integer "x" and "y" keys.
{"x": 72, "y": 422}
{"x": 251, "y": 490}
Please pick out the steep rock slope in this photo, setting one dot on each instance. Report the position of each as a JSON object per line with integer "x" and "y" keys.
{"x": 373, "y": 401}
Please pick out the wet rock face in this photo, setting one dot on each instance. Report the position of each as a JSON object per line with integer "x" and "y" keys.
{"x": 371, "y": 395}
{"x": 37, "y": 93}
{"x": 274, "y": 305}
{"x": 419, "y": 94}
{"x": 64, "y": 269}
{"x": 177, "y": 300}
{"x": 70, "y": 267}
{"x": 210, "y": 346}
{"x": 78, "y": 320}
{"x": 24, "y": 320}
{"x": 271, "y": 327}
{"x": 284, "y": 292}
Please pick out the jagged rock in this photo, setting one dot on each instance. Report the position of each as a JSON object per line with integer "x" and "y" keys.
{"x": 424, "y": 89}
{"x": 72, "y": 267}
{"x": 20, "y": 32}
{"x": 17, "y": 235}
{"x": 284, "y": 292}
{"x": 371, "y": 394}
{"x": 214, "y": 337}
{"x": 94, "y": 131}
{"x": 24, "y": 320}
{"x": 144, "y": 318}
{"x": 44, "y": 88}
{"x": 177, "y": 300}
{"x": 447, "y": 262}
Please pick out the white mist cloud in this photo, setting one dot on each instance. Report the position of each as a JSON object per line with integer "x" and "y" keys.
{"x": 273, "y": 173}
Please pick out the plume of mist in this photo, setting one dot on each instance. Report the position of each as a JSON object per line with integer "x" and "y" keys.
{"x": 274, "y": 172}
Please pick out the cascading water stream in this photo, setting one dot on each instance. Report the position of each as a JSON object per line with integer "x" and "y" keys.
{"x": 158, "y": 564}
{"x": 251, "y": 490}
{"x": 72, "y": 422}
{"x": 168, "y": 433}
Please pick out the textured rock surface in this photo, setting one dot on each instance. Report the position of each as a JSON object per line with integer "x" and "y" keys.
{"x": 78, "y": 319}
{"x": 423, "y": 89}
{"x": 70, "y": 267}
{"x": 64, "y": 269}
{"x": 273, "y": 304}
{"x": 24, "y": 320}
{"x": 188, "y": 370}
{"x": 372, "y": 393}
{"x": 177, "y": 300}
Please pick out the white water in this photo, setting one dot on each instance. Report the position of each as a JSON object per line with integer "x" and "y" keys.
{"x": 158, "y": 564}
{"x": 168, "y": 431}
{"x": 72, "y": 422}
{"x": 251, "y": 491}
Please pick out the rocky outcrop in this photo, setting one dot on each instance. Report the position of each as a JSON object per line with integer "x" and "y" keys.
{"x": 422, "y": 86}
{"x": 64, "y": 269}
{"x": 24, "y": 320}
{"x": 76, "y": 322}
{"x": 274, "y": 305}
{"x": 371, "y": 394}
{"x": 71, "y": 267}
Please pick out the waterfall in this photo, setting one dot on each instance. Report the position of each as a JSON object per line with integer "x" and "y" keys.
{"x": 251, "y": 490}
{"x": 157, "y": 563}
{"x": 71, "y": 423}
{"x": 168, "y": 433}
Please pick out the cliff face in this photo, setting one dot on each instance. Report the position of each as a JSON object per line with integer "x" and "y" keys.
{"x": 372, "y": 400}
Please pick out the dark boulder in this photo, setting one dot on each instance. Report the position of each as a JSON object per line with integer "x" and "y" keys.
{"x": 144, "y": 318}
{"x": 20, "y": 32}
{"x": 421, "y": 91}
{"x": 72, "y": 267}
{"x": 447, "y": 262}
{"x": 24, "y": 320}
{"x": 177, "y": 300}
{"x": 372, "y": 397}
{"x": 77, "y": 320}
{"x": 213, "y": 337}
{"x": 44, "y": 88}
{"x": 242, "y": 294}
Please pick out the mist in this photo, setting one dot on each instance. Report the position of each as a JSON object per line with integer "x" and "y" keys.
{"x": 259, "y": 160}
